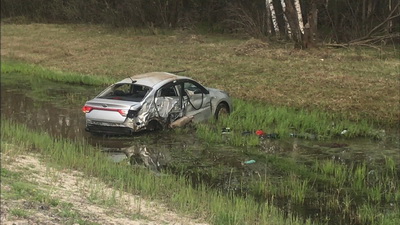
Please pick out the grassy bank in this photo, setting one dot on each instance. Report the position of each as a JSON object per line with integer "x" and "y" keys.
{"x": 35, "y": 192}
{"x": 356, "y": 83}
{"x": 32, "y": 71}
{"x": 361, "y": 193}
{"x": 248, "y": 116}
{"x": 18, "y": 192}
{"x": 283, "y": 123}
{"x": 175, "y": 191}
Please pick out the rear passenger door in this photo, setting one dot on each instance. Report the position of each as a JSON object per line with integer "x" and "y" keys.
{"x": 168, "y": 102}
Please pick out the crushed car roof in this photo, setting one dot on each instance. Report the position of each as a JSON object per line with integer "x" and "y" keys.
{"x": 151, "y": 79}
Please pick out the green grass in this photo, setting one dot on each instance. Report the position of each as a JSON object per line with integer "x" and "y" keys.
{"x": 21, "y": 213}
{"x": 71, "y": 216}
{"x": 175, "y": 191}
{"x": 344, "y": 187}
{"x": 359, "y": 177}
{"x": 284, "y": 121}
{"x": 333, "y": 187}
{"x": 364, "y": 182}
{"x": 38, "y": 72}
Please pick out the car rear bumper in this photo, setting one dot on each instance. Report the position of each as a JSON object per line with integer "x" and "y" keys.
{"x": 109, "y": 130}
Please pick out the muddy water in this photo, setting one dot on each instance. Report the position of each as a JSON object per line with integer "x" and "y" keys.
{"x": 219, "y": 166}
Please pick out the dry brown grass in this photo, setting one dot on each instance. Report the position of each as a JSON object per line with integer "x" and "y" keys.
{"x": 358, "y": 83}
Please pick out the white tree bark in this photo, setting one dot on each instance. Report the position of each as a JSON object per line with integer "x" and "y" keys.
{"x": 299, "y": 15}
{"x": 267, "y": 8}
{"x": 289, "y": 32}
{"x": 273, "y": 16}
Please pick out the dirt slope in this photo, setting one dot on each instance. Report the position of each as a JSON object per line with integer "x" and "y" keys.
{"x": 86, "y": 198}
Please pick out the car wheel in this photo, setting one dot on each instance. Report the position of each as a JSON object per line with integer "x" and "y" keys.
{"x": 154, "y": 125}
{"x": 222, "y": 110}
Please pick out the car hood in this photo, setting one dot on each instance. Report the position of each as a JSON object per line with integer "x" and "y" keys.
{"x": 217, "y": 93}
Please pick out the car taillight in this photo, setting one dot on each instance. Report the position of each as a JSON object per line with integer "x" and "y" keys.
{"x": 87, "y": 109}
{"x": 123, "y": 112}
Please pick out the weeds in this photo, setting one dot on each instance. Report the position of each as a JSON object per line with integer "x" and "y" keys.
{"x": 346, "y": 185}
{"x": 22, "y": 213}
{"x": 285, "y": 122}
{"x": 364, "y": 186}
{"x": 359, "y": 177}
{"x": 299, "y": 189}
{"x": 176, "y": 191}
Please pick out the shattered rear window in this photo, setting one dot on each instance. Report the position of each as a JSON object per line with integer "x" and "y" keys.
{"x": 125, "y": 92}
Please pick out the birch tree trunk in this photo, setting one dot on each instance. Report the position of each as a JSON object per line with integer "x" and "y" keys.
{"x": 268, "y": 15}
{"x": 293, "y": 20}
{"x": 288, "y": 31}
{"x": 273, "y": 16}
{"x": 299, "y": 15}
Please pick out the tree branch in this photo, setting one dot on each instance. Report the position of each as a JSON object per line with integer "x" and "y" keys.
{"x": 366, "y": 42}
{"x": 388, "y": 18}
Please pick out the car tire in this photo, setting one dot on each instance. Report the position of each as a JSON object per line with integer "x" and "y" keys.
{"x": 154, "y": 125}
{"x": 222, "y": 110}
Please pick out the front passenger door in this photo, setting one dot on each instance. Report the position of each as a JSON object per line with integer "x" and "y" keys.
{"x": 196, "y": 101}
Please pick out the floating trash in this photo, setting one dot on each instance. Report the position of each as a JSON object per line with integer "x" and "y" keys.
{"x": 246, "y": 132}
{"x": 226, "y": 130}
{"x": 250, "y": 161}
{"x": 260, "y": 132}
{"x": 271, "y": 136}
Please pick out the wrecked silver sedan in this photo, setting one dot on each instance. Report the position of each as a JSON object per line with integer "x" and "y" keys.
{"x": 153, "y": 101}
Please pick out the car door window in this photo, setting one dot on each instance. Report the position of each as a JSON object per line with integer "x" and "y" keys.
{"x": 194, "y": 95}
{"x": 168, "y": 91}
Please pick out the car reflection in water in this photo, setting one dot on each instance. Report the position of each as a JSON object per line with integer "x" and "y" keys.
{"x": 140, "y": 155}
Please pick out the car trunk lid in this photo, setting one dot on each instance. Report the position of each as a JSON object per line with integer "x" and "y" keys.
{"x": 106, "y": 110}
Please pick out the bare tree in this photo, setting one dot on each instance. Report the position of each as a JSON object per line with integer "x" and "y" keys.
{"x": 299, "y": 15}
{"x": 288, "y": 31}
{"x": 268, "y": 17}
{"x": 273, "y": 15}
{"x": 293, "y": 20}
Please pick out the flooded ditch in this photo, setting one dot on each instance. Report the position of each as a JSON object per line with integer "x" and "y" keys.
{"x": 247, "y": 171}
